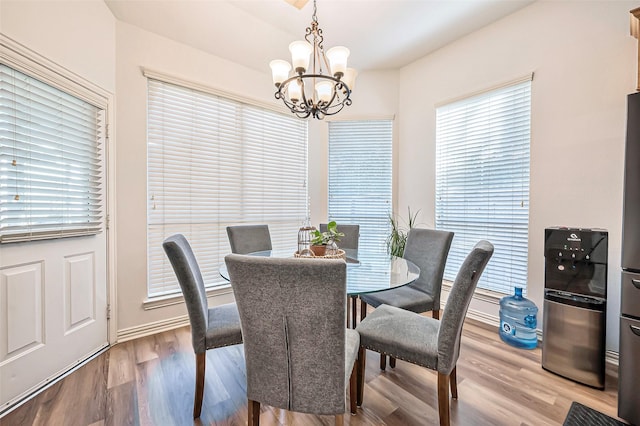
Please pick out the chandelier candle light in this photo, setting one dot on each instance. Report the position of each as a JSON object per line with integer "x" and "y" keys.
{"x": 312, "y": 91}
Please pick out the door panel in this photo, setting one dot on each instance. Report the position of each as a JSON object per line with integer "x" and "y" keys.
{"x": 53, "y": 295}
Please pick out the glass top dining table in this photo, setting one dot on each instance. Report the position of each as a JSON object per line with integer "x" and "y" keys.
{"x": 366, "y": 272}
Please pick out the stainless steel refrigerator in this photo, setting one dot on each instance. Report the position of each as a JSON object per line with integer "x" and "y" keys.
{"x": 629, "y": 361}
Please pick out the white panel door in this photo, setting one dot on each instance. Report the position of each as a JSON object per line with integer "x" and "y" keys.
{"x": 53, "y": 310}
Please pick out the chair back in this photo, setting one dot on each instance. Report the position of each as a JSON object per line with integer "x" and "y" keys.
{"x": 249, "y": 238}
{"x": 187, "y": 271}
{"x": 429, "y": 248}
{"x": 351, "y": 235}
{"x": 458, "y": 303}
{"x": 292, "y": 314}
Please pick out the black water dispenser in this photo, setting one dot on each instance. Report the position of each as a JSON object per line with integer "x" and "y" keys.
{"x": 575, "y": 300}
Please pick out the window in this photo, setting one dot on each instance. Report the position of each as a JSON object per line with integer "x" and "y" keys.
{"x": 482, "y": 181}
{"x": 214, "y": 162}
{"x": 51, "y": 171}
{"x": 360, "y": 179}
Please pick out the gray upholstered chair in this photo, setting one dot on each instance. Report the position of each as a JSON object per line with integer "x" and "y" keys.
{"x": 249, "y": 238}
{"x": 427, "y": 248}
{"x": 351, "y": 235}
{"x": 298, "y": 353}
{"x": 426, "y": 341}
{"x": 210, "y": 327}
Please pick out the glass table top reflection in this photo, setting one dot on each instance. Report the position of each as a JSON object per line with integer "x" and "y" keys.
{"x": 367, "y": 272}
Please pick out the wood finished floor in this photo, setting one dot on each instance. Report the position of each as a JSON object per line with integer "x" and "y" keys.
{"x": 150, "y": 381}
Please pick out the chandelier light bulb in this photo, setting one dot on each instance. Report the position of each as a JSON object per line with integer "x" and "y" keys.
{"x": 324, "y": 90}
{"x": 300, "y": 53}
{"x": 338, "y": 60}
{"x": 295, "y": 91}
{"x": 349, "y": 78}
{"x": 280, "y": 71}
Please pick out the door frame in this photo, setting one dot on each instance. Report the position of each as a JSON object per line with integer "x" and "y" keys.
{"x": 21, "y": 57}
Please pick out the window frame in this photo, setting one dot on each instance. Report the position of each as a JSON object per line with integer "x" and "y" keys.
{"x": 515, "y": 272}
{"x": 246, "y": 106}
{"x": 362, "y": 125}
{"x": 36, "y": 66}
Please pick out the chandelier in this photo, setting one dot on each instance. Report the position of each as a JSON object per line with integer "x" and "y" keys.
{"x": 325, "y": 88}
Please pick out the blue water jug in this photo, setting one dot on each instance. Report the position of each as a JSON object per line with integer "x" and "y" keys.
{"x": 518, "y": 321}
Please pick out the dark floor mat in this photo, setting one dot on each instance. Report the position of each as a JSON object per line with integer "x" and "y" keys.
{"x": 580, "y": 415}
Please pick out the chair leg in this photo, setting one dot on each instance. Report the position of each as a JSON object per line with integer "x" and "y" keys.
{"x": 362, "y": 357}
{"x": 392, "y": 362}
{"x": 353, "y": 387}
{"x": 383, "y": 362}
{"x": 453, "y": 381}
{"x": 443, "y": 399}
{"x": 435, "y": 313}
{"x": 339, "y": 419}
{"x": 254, "y": 413}
{"x": 201, "y": 362}
{"x": 354, "y": 311}
{"x": 363, "y": 309}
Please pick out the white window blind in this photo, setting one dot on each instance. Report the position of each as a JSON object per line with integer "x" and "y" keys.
{"x": 50, "y": 161}
{"x": 482, "y": 181}
{"x": 360, "y": 180}
{"x": 215, "y": 162}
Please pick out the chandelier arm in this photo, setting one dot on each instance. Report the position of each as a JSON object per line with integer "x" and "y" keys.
{"x": 327, "y": 112}
{"x": 327, "y": 77}
{"x": 304, "y": 95}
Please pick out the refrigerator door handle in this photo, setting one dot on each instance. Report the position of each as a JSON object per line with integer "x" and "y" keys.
{"x": 635, "y": 330}
{"x": 636, "y": 283}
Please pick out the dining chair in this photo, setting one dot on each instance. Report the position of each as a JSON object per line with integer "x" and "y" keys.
{"x": 210, "y": 327}
{"x": 351, "y": 235}
{"x": 245, "y": 239}
{"x": 299, "y": 355}
{"x": 428, "y": 249}
{"x": 426, "y": 341}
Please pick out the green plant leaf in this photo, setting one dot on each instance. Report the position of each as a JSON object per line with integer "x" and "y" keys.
{"x": 397, "y": 238}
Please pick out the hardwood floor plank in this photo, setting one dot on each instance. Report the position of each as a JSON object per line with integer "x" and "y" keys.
{"x": 150, "y": 381}
{"x": 121, "y": 365}
{"x": 122, "y": 405}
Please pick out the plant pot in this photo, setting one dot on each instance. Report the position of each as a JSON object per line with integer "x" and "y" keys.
{"x": 318, "y": 250}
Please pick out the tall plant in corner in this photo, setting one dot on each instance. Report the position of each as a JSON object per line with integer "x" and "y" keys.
{"x": 397, "y": 238}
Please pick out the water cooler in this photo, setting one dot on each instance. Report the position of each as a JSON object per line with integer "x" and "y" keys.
{"x": 575, "y": 300}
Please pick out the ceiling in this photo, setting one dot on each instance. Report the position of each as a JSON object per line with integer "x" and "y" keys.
{"x": 381, "y": 34}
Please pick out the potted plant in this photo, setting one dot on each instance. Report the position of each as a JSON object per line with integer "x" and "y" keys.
{"x": 397, "y": 239}
{"x": 320, "y": 240}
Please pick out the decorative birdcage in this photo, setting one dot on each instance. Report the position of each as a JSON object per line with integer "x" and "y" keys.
{"x": 304, "y": 240}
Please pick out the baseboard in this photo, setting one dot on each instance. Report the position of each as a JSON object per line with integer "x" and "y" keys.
{"x": 483, "y": 317}
{"x": 611, "y": 357}
{"x": 152, "y": 328}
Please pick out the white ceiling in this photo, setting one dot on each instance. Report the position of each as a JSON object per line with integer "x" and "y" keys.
{"x": 381, "y": 34}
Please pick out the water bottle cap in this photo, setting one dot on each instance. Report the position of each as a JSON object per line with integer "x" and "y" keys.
{"x": 519, "y": 291}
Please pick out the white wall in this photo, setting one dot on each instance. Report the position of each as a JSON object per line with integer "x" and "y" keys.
{"x": 585, "y": 64}
{"x": 79, "y": 36}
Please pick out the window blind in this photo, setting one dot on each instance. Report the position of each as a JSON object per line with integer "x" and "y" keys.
{"x": 214, "y": 162}
{"x": 360, "y": 180}
{"x": 482, "y": 181}
{"x": 51, "y": 170}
